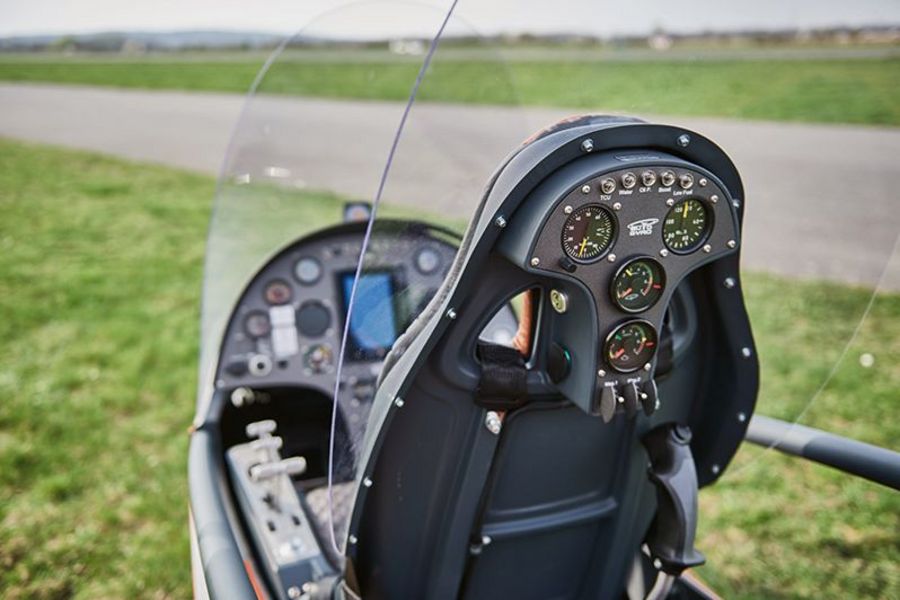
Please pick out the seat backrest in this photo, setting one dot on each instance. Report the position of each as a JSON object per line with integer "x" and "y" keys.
{"x": 547, "y": 495}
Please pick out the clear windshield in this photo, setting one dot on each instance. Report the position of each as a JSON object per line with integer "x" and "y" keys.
{"x": 411, "y": 108}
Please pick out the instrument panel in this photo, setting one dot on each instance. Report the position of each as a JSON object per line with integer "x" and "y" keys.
{"x": 628, "y": 228}
{"x": 287, "y": 327}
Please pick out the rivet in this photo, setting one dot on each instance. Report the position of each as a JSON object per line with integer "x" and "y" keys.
{"x": 367, "y": 482}
{"x": 731, "y": 244}
{"x": 684, "y": 140}
{"x": 535, "y": 261}
{"x": 585, "y": 189}
{"x": 742, "y": 417}
{"x": 601, "y": 373}
{"x": 736, "y": 203}
{"x": 451, "y": 314}
{"x": 664, "y": 253}
{"x": 352, "y": 539}
{"x": 647, "y": 366}
{"x": 617, "y": 206}
{"x": 587, "y": 145}
{"x": 611, "y": 258}
{"x": 746, "y": 352}
{"x": 621, "y": 399}
{"x": 568, "y": 209}
{"x": 657, "y": 564}
{"x": 729, "y": 282}
{"x": 398, "y": 402}
{"x": 715, "y": 469}
{"x": 486, "y": 540}
{"x": 714, "y": 198}
{"x": 703, "y": 182}
{"x": 707, "y": 248}
{"x": 500, "y": 222}
{"x": 670, "y": 202}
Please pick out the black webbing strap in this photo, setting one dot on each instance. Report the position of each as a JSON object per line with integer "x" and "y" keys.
{"x": 503, "y": 377}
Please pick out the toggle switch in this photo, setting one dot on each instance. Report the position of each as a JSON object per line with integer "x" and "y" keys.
{"x": 650, "y": 397}
{"x": 632, "y": 399}
{"x": 608, "y": 401}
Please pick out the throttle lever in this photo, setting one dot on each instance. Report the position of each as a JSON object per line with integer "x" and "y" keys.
{"x": 672, "y": 470}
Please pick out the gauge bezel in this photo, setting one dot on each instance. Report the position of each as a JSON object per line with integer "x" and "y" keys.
{"x": 613, "y": 237}
{"x": 622, "y": 325}
{"x": 710, "y": 225}
{"x": 251, "y": 314}
{"x": 302, "y": 281}
{"x": 615, "y": 277}
{"x": 270, "y": 283}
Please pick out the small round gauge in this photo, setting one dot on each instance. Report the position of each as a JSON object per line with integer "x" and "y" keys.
{"x": 630, "y": 346}
{"x": 278, "y": 292}
{"x": 307, "y": 270}
{"x": 686, "y": 226}
{"x": 257, "y": 324}
{"x": 638, "y": 285}
{"x": 588, "y": 233}
{"x": 427, "y": 260}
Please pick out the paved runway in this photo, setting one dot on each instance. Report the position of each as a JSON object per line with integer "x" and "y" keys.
{"x": 822, "y": 201}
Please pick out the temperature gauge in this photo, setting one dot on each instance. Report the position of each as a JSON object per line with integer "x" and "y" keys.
{"x": 638, "y": 285}
{"x": 630, "y": 346}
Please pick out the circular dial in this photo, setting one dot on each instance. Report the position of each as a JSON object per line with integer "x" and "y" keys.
{"x": 278, "y": 292}
{"x": 427, "y": 260}
{"x": 686, "y": 226}
{"x": 638, "y": 285}
{"x": 307, "y": 270}
{"x": 257, "y": 324}
{"x": 588, "y": 233}
{"x": 630, "y": 346}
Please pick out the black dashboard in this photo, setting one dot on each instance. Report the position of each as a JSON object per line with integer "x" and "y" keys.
{"x": 287, "y": 326}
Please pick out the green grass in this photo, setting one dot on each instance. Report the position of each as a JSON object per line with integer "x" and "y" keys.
{"x": 100, "y": 269}
{"x": 829, "y": 91}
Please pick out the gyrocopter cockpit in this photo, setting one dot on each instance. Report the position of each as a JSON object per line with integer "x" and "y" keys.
{"x": 460, "y": 350}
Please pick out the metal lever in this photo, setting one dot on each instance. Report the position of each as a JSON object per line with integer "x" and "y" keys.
{"x": 261, "y": 429}
{"x": 672, "y": 470}
{"x": 296, "y": 465}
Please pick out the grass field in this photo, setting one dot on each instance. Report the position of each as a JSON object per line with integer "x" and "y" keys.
{"x": 860, "y": 90}
{"x": 100, "y": 268}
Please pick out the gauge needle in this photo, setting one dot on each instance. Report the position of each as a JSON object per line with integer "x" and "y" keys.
{"x": 685, "y": 211}
{"x": 582, "y": 247}
{"x": 626, "y": 292}
{"x": 619, "y": 353}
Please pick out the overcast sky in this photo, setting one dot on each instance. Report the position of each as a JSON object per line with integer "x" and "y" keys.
{"x": 20, "y": 17}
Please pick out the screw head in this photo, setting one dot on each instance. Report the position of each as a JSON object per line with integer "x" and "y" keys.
{"x": 585, "y": 189}
{"x": 398, "y": 402}
{"x": 500, "y": 222}
{"x": 684, "y": 140}
{"x": 742, "y": 417}
{"x": 617, "y": 206}
{"x": 707, "y": 248}
{"x": 714, "y": 198}
{"x": 367, "y": 482}
{"x": 492, "y": 422}
{"x": 611, "y": 258}
{"x": 587, "y": 145}
{"x": 352, "y": 539}
{"x": 664, "y": 253}
{"x": 732, "y": 244}
{"x": 535, "y": 261}
{"x": 703, "y": 181}
{"x": 746, "y": 352}
{"x": 568, "y": 209}
{"x": 729, "y": 282}
{"x": 601, "y": 373}
{"x": 451, "y": 314}
{"x": 716, "y": 469}
{"x": 736, "y": 203}
{"x": 647, "y": 366}
{"x": 670, "y": 202}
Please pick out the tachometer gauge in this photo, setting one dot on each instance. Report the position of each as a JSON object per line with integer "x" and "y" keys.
{"x": 686, "y": 226}
{"x": 638, "y": 285}
{"x": 630, "y": 346}
{"x": 588, "y": 233}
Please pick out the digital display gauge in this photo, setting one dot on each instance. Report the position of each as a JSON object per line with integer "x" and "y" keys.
{"x": 686, "y": 226}
{"x": 588, "y": 233}
{"x": 631, "y": 345}
{"x": 638, "y": 285}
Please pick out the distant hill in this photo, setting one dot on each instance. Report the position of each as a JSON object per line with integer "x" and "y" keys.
{"x": 138, "y": 41}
